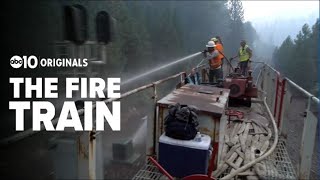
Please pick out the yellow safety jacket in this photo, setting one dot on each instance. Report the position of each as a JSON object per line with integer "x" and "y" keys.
{"x": 243, "y": 54}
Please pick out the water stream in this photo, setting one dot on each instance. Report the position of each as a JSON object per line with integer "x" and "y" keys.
{"x": 159, "y": 68}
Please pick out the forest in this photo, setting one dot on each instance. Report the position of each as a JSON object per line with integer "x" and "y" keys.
{"x": 298, "y": 58}
{"x": 153, "y": 32}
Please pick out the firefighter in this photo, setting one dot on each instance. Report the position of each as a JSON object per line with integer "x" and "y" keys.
{"x": 219, "y": 46}
{"x": 244, "y": 54}
{"x": 215, "y": 62}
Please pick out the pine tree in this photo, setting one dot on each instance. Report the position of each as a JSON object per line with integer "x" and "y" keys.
{"x": 236, "y": 13}
{"x": 298, "y": 59}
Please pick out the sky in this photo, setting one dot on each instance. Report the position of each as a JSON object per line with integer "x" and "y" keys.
{"x": 258, "y": 10}
{"x": 275, "y": 20}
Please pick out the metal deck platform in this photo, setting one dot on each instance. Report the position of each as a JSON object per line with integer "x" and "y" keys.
{"x": 149, "y": 171}
{"x": 278, "y": 159}
{"x": 282, "y": 163}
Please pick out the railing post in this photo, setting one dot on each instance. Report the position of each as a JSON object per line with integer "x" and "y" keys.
{"x": 183, "y": 76}
{"x": 307, "y": 144}
{"x": 92, "y": 155}
{"x": 203, "y": 74}
{"x": 282, "y": 94}
{"x": 276, "y": 96}
{"x": 284, "y": 108}
{"x": 151, "y": 124}
{"x": 155, "y": 116}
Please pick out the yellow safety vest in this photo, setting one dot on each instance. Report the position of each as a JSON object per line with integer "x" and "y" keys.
{"x": 244, "y": 55}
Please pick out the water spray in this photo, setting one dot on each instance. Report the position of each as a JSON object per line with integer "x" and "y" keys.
{"x": 159, "y": 68}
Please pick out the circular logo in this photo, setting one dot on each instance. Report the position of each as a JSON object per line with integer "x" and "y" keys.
{"x": 16, "y": 61}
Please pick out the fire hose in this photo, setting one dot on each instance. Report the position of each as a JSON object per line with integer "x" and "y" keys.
{"x": 227, "y": 60}
{"x": 250, "y": 164}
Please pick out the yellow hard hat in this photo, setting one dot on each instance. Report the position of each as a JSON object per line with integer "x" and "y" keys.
{"x": 214, "y": 39}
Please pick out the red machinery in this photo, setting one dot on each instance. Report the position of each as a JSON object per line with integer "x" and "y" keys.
{"x": 241, "y": 88}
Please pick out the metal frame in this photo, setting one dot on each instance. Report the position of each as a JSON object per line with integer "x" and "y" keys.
{"x": 282, "y": 99}
{"x": 308, "y": 133}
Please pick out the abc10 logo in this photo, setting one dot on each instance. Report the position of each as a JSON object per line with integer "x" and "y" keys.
{"x": 27, "y": 61}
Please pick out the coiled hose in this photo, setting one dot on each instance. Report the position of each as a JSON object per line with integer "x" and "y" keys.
{"x": 250, "y": 164}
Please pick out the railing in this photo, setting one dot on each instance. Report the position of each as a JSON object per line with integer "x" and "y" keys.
{"x": 295, "y": 111}
{"x": 284, "y": 97}
{"x": 90, "y": 143}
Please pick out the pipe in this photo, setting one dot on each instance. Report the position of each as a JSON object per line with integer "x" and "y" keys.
{"x": 247, "y": 166}
{"x": 200, "y": 63}
{"x": 273, "y": 69}
{"x": 160, "y": 168}
{"x": 200, "y": 66}
{"x": 227, "y": 60}
{"x": 302, "y": 90}
{"x": 297, "y": 86}
{"x": 258, "y": 78}
{"x": 258, "y": 62}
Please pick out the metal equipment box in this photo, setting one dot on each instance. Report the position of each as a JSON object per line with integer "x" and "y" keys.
{"x": 211, "y": 103}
